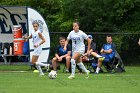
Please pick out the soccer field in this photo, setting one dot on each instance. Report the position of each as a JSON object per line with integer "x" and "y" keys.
{"x": 29, "y": 82}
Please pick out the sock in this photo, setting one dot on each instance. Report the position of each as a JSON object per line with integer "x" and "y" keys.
{"x": 41, "y": 64}
{"x": 73, "y": 65}
{"x": 97, "y": 70}
{"x": 39, "y": 69}
{"x": 98, "y": 56}
{"x": 81, "y": 65}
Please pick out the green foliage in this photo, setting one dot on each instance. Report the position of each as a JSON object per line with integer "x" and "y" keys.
{"x": 94, "y": 15}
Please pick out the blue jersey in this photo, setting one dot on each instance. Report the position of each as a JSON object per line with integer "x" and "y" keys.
{"x": 109, "y": 46}
{"x": 60, "y": 50}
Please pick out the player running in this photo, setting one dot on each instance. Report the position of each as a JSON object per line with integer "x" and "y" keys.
{"x": 38, "y": 40}
{"x": 78, "y": 48}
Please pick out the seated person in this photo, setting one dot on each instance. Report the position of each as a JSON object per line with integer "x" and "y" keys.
{"x": 107, "y": 51}
{"x": 61, "y": 55}
{"x": 93, "y": 52}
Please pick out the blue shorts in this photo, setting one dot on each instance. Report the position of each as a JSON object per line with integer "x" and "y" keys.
{"x": 107, "y": 58}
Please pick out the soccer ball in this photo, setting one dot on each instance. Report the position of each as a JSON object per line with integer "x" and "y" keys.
{"x": 52, "y": 75}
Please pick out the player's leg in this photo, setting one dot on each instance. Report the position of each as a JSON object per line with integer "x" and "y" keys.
{"x": 42, "y": 64}
{"x": 81, "y": 65}
{"x": 75, "y": 56}
{"x": 38, "y": 52}
{"x": 34, "y": 60}
{"x": 68, "y": 58}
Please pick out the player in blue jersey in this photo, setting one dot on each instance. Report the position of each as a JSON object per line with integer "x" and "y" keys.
{"x": 107, "y": 51}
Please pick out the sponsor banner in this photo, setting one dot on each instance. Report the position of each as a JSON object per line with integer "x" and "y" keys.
{"x": 33, "y": 15}
{"x": 10, "y": 16}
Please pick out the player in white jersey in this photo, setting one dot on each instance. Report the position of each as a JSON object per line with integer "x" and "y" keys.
{"x": 78, "y": 48}
{"x": 38, "y": 40}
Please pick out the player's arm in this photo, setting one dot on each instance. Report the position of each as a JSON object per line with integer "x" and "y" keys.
{"x": 107, "y": 51}
{"x": 42, "y": 38}
{"x": 69, "y": 51}
{"x": 56, "y": 55}
{"x": 66, "y": 43}
{"x": 89, "y": 45}
{"x": 28, "y": 37}
{"x": 68, "y": 54}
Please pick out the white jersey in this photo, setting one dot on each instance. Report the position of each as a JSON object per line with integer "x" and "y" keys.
{"x": 77, "y": 40}
{"x": 36, "y": 41}
{"x": 36, "y": 38}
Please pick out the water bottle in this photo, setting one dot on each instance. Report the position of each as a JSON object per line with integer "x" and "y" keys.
{"x": 10, "y": 51}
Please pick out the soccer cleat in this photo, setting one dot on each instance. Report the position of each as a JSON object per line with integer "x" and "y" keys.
{"x": 41, "y": 74}
{"x": 87, "y": 74}
{"x": 101, "y": 58}
{"x": 71, "y": 77}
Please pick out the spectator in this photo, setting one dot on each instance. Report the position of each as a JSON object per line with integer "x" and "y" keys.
{"x": 107, "y": 51}
{"x": 93, "y": 52}
{"x": 62, "y": 55}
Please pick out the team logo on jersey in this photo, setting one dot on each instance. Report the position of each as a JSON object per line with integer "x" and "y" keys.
{"x": 75, "y": 38}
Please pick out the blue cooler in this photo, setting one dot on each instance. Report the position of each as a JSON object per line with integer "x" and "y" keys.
{"x": 26, "y": 48}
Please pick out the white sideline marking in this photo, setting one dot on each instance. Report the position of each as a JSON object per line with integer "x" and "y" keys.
{"x": 108, "y": 75}
{"x": 14, "y": 71}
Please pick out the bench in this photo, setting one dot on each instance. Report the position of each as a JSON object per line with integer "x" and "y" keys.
{"x": 5, "y": 57}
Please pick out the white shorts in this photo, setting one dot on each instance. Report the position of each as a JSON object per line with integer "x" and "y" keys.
{"x": 37, "y": 51}
{"x": 80, "y": 52}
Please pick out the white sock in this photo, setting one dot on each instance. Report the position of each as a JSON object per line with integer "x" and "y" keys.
{"x": 98, "y": 56}
{"x": 73, "y": 65}
{"x": 41, "y": 64}
{"x": 81, "y": 65}
{"x": 97, "y": 70}
{"x": 39, "y": 69}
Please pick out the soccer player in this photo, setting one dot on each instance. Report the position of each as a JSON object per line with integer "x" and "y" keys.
{"x": 107, "y": 51}
{"x": 62, "y": 55}
{"x": 78, "y": 48}
{"x": 38, "y": 40}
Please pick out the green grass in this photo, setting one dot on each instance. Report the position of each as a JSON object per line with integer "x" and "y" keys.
{"x": 29, "y": 82}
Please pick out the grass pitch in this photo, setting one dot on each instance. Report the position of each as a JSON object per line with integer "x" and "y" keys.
{"x": 26, "y": 81}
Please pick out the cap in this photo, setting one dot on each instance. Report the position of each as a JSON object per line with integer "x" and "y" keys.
{"x": 90, "y": 36}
